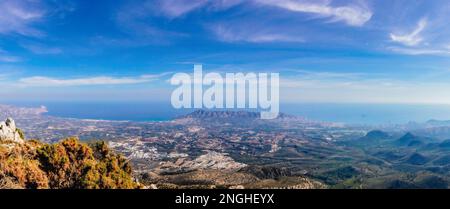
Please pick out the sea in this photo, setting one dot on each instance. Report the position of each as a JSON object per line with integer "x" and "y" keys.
{"x": 371, "y": 114}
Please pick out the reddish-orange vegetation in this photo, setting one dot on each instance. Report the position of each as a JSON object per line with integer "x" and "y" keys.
{"x": 68, "y": 164}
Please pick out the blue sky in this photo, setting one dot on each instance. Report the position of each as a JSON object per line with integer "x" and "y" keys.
{"x": 332, "y": 51}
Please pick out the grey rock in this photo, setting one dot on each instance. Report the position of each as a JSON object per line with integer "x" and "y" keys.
{"x": 9, "y": 133}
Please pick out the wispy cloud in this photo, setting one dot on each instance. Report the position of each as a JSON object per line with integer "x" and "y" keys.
{"x": 18, "y": 16}
{"x": 353, "y": 15}
{"x": 285, "y": 29}
{"x": 413, "y": 38}
{"x": 41, "y": 49}
{"x": 137, "y": 21}
{"x": 236, "y": 33}
{"x": 140, "y": 17}
{"x": 43, "y": 81}
{"x": 6, "y": 57}
{"x": 179, "y": 8}
{"x": 415, "y": 43}
{"x": 321, "y": 75}
{"x": 176, "y": 8}
{"x": 419, "y": 51}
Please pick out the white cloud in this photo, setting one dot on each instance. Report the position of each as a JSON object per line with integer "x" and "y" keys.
{"x": 17, "y": 16}
{"x": 237, "y": 33}
{"x": 419, "y": 51}
{"x": 136, "y": 19}
{"x": 411, "y": 39}
{"x": 260, "y": 38}
{"x": 225, "y": 4}
{"x": 176, "y": 8}
{"x": 321, "y": 75}
{"x": 354, "y": 15}
{"x": 351, "y": 14}
{"x": 5, "y": 57}
{"x": 139, "y": 18}
{"x": 253, "y": 30}
{"x": 42, "y": 81}
{"x": 42, "y": 50}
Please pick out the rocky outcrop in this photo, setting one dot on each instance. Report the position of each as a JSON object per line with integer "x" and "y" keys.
{"x": 9, "y": 132}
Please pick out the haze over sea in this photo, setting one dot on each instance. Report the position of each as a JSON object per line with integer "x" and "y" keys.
{"x": 374, "y": 114}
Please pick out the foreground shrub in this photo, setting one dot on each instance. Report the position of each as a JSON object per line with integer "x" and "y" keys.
{"x": 20, "y": 169}
{"x": 68, "y": 164}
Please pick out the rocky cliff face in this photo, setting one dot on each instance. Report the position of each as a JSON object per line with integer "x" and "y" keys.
{"x": 9, "y": 132}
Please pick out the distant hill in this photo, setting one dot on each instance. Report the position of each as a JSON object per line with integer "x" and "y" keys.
{"x": 432, "y": 182}
{"x": 376, "y": 135}
{"x": 417, "y": 159}
{"x": 420, "y": 181}
{"x": 416, "y": 143}
{"x": 372, "y": 138}
{"x": 442, "y": 161}
{"x": 389, "y": 155}
{"x": 445, "y": 144}
{"x": 340, "y": 174}
{"x": 410, "y": 139}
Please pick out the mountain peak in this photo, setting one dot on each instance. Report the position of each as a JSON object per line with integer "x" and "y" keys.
{"x": 410, "y": 139}
{"x": 377, "y": 134}
{"x": 408, "y": 135}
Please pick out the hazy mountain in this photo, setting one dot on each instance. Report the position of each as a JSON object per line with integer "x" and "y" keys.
{"x": 445, "y": 144}
{"x": 442, "y": 161}
{"x": 417, "y": 159}
{"x": 410, "y": 139}
{"x": 372, "y": 138}
{"x": 376, "y": 135}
